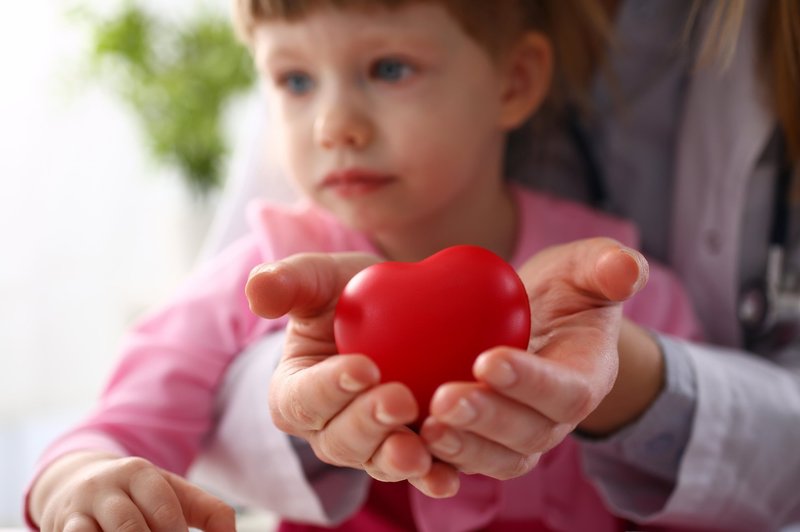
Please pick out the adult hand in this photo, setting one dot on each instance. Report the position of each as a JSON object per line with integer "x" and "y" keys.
{"x": 335, "y": 402}
{"x": 91, "y": 492}
{"x": 525, "y": 402}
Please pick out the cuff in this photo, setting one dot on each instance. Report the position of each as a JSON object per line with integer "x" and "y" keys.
{"x": 655, "y": 443}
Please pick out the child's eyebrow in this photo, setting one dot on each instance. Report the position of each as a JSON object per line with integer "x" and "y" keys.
{"x": 404, "y": 39}
{"x": 374, "y": 39}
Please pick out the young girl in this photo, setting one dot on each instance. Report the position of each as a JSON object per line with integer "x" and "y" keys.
{"x": 393, "y": 118}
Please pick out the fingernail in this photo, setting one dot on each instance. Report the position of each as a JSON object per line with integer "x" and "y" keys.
{"x": 499, "y": 374}
{"x": 349, "y": 383}
{"x": 644, "y": 267}
{"x": 462, "y": 413}
{"x": 385, "y": 417}
{"x": 448, "y": 443}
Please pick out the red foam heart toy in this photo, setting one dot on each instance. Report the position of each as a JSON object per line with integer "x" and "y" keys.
{"x": 425, "y": 323}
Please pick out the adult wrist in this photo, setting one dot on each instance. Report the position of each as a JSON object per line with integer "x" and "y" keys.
{"x": 639, "y": 382}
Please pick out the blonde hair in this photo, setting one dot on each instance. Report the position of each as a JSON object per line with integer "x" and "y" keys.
{"x": 778, "y": 54}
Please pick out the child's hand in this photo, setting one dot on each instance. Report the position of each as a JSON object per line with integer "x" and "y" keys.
{"x": 88, "y": 492}
{"x": 524, "y": 405}
{"x": 335, "y": 402}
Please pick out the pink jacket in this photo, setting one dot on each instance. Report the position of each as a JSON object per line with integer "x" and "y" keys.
{"x": 159, "y": 401}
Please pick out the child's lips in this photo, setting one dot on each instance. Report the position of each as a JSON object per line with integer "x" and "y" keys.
{"x": 355, "y": 182}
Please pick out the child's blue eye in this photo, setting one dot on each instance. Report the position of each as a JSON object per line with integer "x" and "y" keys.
{"x": 296, "y": 82}
{"x": 391, "y": 70}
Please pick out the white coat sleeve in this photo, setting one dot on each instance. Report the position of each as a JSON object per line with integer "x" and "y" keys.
{"x": 740, "y": 469}
{"x": 250, "y": 463}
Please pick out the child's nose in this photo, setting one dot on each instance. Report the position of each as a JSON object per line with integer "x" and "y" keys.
{"x": 343, "y": 126}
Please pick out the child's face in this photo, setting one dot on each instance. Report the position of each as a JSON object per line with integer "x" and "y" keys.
{"x": 390, "y": 119}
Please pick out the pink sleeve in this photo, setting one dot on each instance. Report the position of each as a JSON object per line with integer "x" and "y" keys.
{"x": 158, "y": 402}
{"x": 664, "y": 306}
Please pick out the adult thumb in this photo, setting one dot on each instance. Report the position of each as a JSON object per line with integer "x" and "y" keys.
{"x": 303, "y": 285}
{"x": 621, "y": 272}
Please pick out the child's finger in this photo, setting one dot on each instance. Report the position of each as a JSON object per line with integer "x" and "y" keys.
{"x": 305, "y": 400}
{"x": 114, "y": 510}
{"x": 76, "y": 522}
{"x": 156, "y": 499}
{"x": 200, "y": 509}
{"x": 354, "y": 435}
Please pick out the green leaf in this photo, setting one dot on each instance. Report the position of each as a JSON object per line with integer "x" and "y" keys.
{"x": 178, "y": 80}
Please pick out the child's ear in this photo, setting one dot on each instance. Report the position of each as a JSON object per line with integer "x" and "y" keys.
{"x": 527, "y": 71}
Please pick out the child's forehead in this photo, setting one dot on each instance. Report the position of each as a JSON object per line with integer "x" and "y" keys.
{"x": 421, "y": 27}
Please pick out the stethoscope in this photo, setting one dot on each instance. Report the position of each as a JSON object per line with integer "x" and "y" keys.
{"x": 768, "y": 309}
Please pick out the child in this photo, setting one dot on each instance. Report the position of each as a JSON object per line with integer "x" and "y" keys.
{"x": 393, "y": 117}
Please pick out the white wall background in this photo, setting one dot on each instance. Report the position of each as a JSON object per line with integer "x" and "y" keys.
{"x": 91, "y": 232}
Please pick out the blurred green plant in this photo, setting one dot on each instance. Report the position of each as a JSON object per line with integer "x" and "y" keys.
{"x": 177, "y": 78}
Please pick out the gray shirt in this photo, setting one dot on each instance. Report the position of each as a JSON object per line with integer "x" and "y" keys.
{"x": 632, "y": 134}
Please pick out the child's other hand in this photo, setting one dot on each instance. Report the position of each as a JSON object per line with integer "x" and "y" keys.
{"x": 91, "y": 492}
{"x": 335, "y": 402}
{"x": 525, "y": 404}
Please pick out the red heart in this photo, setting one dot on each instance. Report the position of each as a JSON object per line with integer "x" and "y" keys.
{"x": 425, "y": 323}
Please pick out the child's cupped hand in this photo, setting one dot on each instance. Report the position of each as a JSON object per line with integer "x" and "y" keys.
{"x": 522, "y": 404}
{"x": 95, "y": 491}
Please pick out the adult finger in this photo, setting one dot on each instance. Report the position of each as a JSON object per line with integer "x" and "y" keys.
{"x": 439, "y": 482}
{"x": 352, "y": 437}
{"x": 601, "y": 268}
{"x": 200, "y": 509}
{"x": 304, "y": 285}
{"x": 402, "y": 455}
{"x": 308, "y": 391}
{"x": 620, "y": 273}
{"x": 564, "y": 389}
{"x": 480, "y": 411}
{"x": 472, "y": 453}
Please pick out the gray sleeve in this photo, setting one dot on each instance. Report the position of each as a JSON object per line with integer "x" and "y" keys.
{"x": 650, "y": 448}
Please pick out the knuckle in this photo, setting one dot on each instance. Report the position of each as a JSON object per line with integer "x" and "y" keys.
{"x": 116, "y": 509}
{"x": 129, "y": 525}
{"x": 299, "y": 414}
{"x": 381, "y": 475}
{"x": 133, "y": 464}
{"x": 534, "y": 442}
{"x": 167, "y": 515}
{"x": 580, "y": 404}
{"x": 522, "y": 465}
{"x": 336, "y": 451}
{"x": 75, "y": 522}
